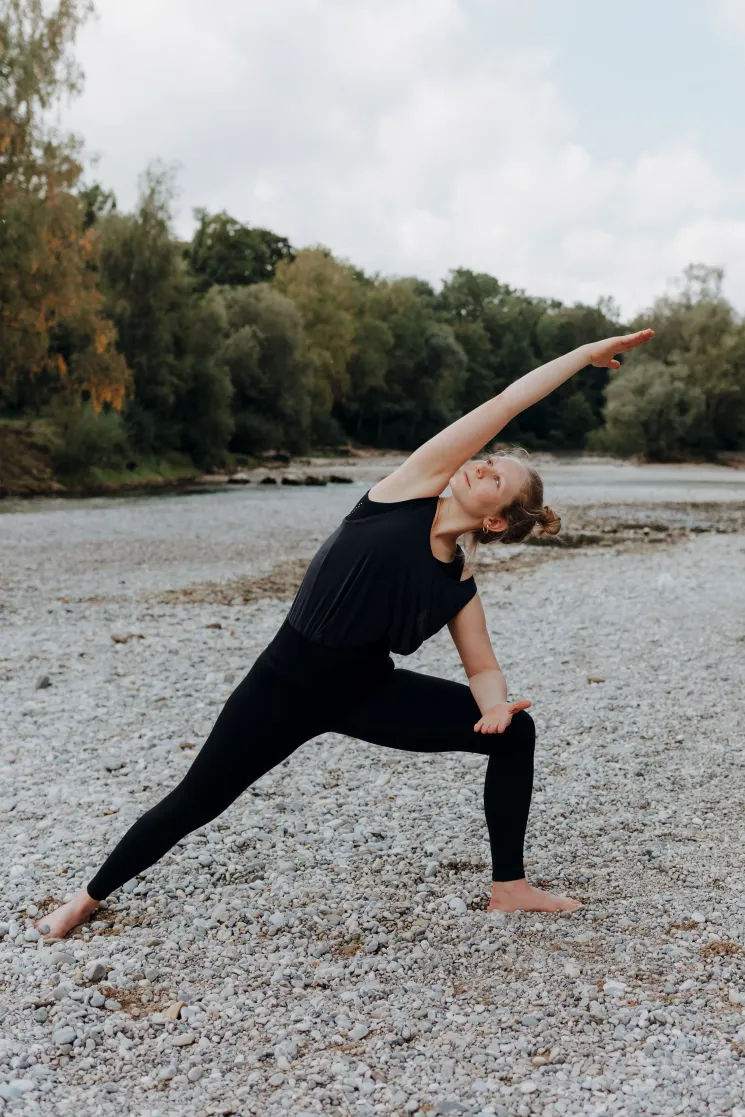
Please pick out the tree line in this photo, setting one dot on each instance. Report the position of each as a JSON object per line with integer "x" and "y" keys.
{"x": 135, "y": 343}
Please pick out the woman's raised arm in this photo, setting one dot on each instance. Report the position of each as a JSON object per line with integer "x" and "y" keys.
{"x": 437, "y": 459}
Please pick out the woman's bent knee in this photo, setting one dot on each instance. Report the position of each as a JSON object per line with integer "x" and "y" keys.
{"x": 520, "y": 733}
{"x": 526, "y": 723}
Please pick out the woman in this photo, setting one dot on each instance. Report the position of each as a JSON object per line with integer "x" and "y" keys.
{"x": 390, "y": 576}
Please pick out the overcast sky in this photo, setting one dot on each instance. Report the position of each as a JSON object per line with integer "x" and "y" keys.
{"x": 573, "y": 149}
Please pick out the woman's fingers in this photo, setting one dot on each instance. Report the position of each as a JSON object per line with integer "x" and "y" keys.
{"x": 603, "y": 355}
{"x": 492, "y": 722}
{"x": 630, "y": 341}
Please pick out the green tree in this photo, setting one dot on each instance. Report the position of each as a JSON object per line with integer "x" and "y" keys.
{"x": 97, "y": 202}
{"x": 170, "y": 335}
{"x": 505, "y": 333}
{"x": 328, "y": 295}
{"x": 203, "y": 405}
{"x": 146, "y": 287}
{"x": 263, "y": 353}
{"x": 224, "y": 251}
{"x": 698, "y": 330}
{"x": 407, "y": 370}
{"x": 465, "y": 295}
{"x": 653, "y": 409}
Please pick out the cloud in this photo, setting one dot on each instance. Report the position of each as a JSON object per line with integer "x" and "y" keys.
{"x": 731, "y": 14}
{"x": 401, "y": 134}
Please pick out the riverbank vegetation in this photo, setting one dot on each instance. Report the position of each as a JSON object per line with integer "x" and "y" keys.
{"x": 126, "y": 351}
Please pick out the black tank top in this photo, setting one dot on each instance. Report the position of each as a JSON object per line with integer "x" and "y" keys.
{"x": 375, "y": 579}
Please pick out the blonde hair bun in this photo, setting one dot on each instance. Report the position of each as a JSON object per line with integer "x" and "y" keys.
{"x": 548, "y": 522}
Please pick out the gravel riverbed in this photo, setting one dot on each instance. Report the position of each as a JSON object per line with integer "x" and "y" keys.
{"x": 323, "y": 947}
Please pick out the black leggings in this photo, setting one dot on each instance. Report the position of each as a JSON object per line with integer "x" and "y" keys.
{"x": 298, "y": 689}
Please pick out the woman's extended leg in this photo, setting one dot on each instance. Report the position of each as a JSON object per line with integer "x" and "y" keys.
{"x": 422, "y": 713}
{"x": 256, "y": 729}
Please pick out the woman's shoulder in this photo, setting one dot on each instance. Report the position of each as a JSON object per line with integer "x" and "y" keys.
{"x": 369, "y": 504}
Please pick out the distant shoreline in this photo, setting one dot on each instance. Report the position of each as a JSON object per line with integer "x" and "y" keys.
{"x": 336, "y": 466}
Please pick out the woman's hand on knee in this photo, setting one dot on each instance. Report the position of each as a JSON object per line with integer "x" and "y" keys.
{"x": 498, "y": 717}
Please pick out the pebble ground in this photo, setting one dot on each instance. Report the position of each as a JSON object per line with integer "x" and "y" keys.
{"x": 323, "y": 947}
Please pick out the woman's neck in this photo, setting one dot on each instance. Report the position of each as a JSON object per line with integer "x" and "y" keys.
{"x": 450, "y": 522}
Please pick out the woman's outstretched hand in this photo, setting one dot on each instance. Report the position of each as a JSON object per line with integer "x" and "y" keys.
{"x": 602, "y": 352}
{"x": 497, "y": 718}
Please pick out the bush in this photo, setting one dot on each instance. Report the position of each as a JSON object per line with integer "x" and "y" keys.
{"x": 327, "y": 431}
{"x": 653, "y": 409}
{"x": 86, "y": 440}
{"x": 255, "y": 432}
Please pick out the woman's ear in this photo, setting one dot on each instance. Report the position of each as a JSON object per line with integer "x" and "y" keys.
{"x": 495, "y": 523}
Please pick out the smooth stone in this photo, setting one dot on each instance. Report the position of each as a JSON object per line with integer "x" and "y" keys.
{"x": 184, "y": 1040}
{"x": 16, "y": 1088}
{"x": 456, "y": 904}
{"x": 95, "y": 971}
{"x": 60, "y": 958}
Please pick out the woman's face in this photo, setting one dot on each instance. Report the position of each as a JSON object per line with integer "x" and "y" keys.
{"x": 484, "y": 488}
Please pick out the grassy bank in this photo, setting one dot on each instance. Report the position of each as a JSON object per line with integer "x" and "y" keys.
{"x": 28, "y": 449}
{"x": 39, "y": 458}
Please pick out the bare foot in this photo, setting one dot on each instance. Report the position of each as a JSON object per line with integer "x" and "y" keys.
{"x": 57, "y": 923}
{"x": 518, "y": 895}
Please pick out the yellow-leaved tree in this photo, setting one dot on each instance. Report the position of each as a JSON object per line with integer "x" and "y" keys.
{"x": 52, "y": 331}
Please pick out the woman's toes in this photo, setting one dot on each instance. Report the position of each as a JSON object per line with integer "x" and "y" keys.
{"x": 57, "y": 923}
{"x": 567, "y": 904}
{"x": 47, "y": 928}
